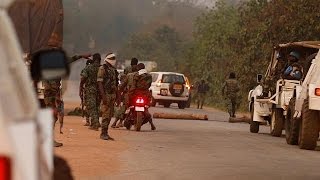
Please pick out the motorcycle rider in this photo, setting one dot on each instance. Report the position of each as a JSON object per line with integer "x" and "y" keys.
{"x": 143, "y": 83}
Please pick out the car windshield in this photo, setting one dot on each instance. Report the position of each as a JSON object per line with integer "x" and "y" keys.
{"x": 154, "y": 77}
{"x": 169, "y": 78}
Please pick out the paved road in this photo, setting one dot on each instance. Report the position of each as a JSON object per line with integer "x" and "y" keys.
{"x": 214, "y": 149}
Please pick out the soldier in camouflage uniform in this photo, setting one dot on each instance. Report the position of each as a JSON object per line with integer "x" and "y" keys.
{"x": 132, "y": 68}
{"x": 51, "y": 89}
{"x": 108, "y": 87}
{"x": 120, "y": 110}
{"x": 128, "y": 86}
{"x": 89, "y": 78}
{"x": 83, "y": 98}
{"x": 142, "y": 85}
{"x": 230, "y": 91}
{"x": 202, "y": 90}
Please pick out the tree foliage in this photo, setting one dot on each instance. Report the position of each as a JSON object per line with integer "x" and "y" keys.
{"x": 240, "y": 39}
{"x": 163, "y": 46}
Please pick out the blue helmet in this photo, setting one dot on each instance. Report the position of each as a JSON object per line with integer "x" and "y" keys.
{"x": 295, "y": 54}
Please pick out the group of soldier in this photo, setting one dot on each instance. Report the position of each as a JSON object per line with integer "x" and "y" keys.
{"x": 100, "y": 90}
{"x": 103, "y": 90}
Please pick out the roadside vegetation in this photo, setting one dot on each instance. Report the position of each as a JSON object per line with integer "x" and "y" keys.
{"x": 231, "y": 36}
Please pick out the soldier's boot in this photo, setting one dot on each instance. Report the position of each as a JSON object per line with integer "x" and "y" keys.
{"x": 94, "y": 127}
{"x": 104, "y": 135}
{"x": 57, "y": 144}
{"x": 153, "y": 127}
{"x": 87, "y": 122}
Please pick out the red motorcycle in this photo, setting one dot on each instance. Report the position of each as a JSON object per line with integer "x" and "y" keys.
{"x": 137, "y": 114}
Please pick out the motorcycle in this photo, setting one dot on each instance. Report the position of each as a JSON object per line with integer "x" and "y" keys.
{"x": 137, "y": 114}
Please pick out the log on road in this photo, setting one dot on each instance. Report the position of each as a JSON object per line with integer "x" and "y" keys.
{"x": 180, "y": 116}
{"x": 239, "y": 119}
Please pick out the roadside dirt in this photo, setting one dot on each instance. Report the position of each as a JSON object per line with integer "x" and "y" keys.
{"x": 85, "y": 152}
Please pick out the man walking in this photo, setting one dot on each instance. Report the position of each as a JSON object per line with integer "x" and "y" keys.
{"x": 202, "y": 90}
{"x": 230, "y": 91}
{"x": 108, "y": 87}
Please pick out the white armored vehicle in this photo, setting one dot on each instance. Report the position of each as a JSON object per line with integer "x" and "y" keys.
{"x": 270, "y": 100}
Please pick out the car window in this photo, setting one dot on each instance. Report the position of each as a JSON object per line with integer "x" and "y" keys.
{"x": 169, "y": 78}
{"x": 154, "y": 77}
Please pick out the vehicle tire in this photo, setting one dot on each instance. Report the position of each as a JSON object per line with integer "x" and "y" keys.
{"x": 254, "y": 125}
{"x": 277, "y": 121}
{"x": 176, "y": 92}
{"x": 138, "y": 123}
{"x": 153, "y": 102}
{"x": 292, "y": 125}
{"x": 182, "y": 105}
{"x": 127, "y": 124}
{"x": 62, "y": 170}
{"x": 188, "y": 104}
{"x": 166, "y": 104}
{"x": 309, "y": 129}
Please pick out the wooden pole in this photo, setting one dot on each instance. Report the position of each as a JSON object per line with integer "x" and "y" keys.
{"x": 180, "y": 116}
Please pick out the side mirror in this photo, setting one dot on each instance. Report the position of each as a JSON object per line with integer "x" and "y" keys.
{"x": 49, "y": 65}
{"x": 259, "y": 78}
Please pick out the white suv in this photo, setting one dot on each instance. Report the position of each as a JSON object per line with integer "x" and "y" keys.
{"x": 169, "y": 87}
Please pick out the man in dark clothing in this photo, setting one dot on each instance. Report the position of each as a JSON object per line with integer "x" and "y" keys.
{"x": 131, "y": 69}
{"x": 202, "y": 90}
{"x": 230, "y": 91}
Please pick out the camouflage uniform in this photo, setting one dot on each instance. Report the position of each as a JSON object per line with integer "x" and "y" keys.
{"x": 51, "y": 90}
{"x": 85, "y": 110}
{"x": 120, "y": 110}
{"x": 128, "y": 70}
{"x": 201, "y": 94}
{"x": 60, "y": 111}
{"x": 91, "y": 92}
{"x": 230, "y": 89}
{"x": 128, "y": 87}
{"x": 143, "y": 83}
{"x": 108, "y": 76}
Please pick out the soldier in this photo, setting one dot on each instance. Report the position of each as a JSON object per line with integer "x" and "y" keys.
{"x": 202, "y": 89}
{"x": 230, "y": 91}
{"x": 89, "y": 78}
{"x": 294, "y": 70}
{"x": 108, "y": 88}
{"x": 128, "y": 86}
{"x": 51, "y": 89}
{"x": 142, "y": 84}
{"x": 120, "y": 110}
{"x": 132, "y": 68}
{"x": 83, "y": 98}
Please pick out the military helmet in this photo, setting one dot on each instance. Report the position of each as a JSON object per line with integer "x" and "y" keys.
{"x": 295, "y": 54}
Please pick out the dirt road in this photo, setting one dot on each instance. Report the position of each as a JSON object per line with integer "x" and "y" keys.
{"x": 182, "y": 149}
